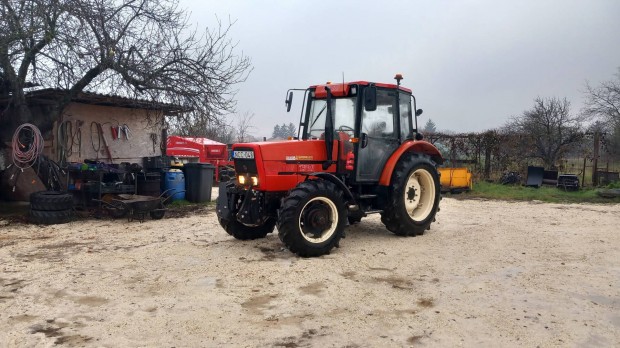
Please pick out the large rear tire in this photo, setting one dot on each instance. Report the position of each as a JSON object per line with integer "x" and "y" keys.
{"x": 51, "y": 201}
{"x": 312, "y": 218}
{"x": 243, "y": 232}
{"x": 414, "y": 196}
{"x": 51, "y": 217}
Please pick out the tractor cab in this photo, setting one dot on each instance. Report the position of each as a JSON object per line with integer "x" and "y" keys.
{"x": 368, "y": 120}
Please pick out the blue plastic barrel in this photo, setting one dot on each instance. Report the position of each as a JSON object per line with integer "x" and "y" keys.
{"x": 175, "y": 182}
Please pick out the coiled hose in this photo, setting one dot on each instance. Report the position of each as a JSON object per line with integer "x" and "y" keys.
{"x": 27, "y": 145}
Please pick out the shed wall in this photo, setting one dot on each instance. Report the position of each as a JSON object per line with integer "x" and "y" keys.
{"x": 140, "y": 143}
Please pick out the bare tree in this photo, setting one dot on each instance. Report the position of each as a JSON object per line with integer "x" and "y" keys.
{"x": 214, "y": 129}
{"x": 603, "y": 103}
{"x": 547, "y": 131}
{"x": 224, "y": 133}
{"x": 134, "y": 48}
{"x": 244, "y": 126}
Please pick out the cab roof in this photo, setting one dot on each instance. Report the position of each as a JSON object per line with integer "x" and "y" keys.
{"x": 342, "y": 89}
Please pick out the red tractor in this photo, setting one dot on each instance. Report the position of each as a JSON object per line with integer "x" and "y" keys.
{"x": 359, "y": 153}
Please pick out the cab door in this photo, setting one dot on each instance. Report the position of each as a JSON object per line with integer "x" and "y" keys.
{"x": 379, "y": 137}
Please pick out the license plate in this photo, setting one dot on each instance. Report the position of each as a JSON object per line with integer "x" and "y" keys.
{"x": 243, "y": 154}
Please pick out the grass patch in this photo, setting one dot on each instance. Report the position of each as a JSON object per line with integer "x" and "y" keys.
{"x": 184, "y": 203}
{"x": 183, "y": 208}
{"x": 545, "y": 194}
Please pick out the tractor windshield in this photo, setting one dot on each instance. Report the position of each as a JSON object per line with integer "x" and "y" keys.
{"x": 344, "y": 116}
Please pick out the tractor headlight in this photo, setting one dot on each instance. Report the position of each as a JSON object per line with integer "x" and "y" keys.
{"x": 246, "y": 180}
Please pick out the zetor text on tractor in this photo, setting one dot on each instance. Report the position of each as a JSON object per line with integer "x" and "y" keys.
{"x": 359, "y": 153}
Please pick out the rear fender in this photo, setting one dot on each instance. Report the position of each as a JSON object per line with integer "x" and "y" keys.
{"x": 416, "y": 146}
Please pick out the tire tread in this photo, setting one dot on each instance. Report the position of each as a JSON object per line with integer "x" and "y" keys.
{"x": 51, "y": 201}
{"x": 392, "y": 216}
{"x": 45, "y": 217}
{"x": 288, "y": 228}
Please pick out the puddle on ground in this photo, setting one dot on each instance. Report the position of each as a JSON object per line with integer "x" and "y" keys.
{"x": 209, "y": 282}
{"x": 426, "y": 302}
{"x": 396, "y": 282}
{"x": 23, "y": 318}
{"x": 313, "y": 289}
{"x": 91, "y": 301}
{"x": 350, "y": 275}
{"x": 259, "y": 303}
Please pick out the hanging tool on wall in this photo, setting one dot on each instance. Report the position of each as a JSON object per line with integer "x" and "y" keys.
{"x": 124, "y": 130}
{"x": 154, "y": 140}
{"x": 69, "y": 140}
{"x": 65, "y": 141}
{"x": 92, "y": 139}
{"x": 114, "y": 131}
{"x": 105, "y": 143}
{"x": 77, "y": 136}
{"x": 101, "y": 136}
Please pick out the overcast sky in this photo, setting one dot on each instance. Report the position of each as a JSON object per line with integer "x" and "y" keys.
{"x": 471, "y": 64}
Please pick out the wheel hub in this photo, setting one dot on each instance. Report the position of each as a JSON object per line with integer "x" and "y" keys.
{"x": 316, "y": 220}
{"x": 419, "y": 194}
{"x": 411, "y": 193}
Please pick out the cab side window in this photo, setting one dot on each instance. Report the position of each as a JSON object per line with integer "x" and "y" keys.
{"x": 405, "y": 117}
{"x": 380, "y": 122}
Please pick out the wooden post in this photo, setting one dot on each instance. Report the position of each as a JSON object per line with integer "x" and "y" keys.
{"x": 595, "y": 159}
{"x": 163, "y": 145}
{"x": 487, "y": 162}
{"x": 583, "y": 173}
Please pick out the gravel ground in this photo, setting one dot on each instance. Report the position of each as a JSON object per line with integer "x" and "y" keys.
{"x": 488, "y": 273}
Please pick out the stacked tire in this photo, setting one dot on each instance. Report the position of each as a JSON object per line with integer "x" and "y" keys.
{"x": 50, "y": 207}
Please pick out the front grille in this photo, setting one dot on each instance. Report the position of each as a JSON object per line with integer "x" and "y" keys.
{"x": 243, "y": 166}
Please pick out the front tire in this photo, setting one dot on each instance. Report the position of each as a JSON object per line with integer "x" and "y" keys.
{"x": 243, "y": 232}
{"x": 414, "y": 196}
{"x": 312, "y": 218}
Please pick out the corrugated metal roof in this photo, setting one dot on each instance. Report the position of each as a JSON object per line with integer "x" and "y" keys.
{"x": 50, "y": 94}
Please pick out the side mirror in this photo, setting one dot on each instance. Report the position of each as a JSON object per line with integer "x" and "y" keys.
{"x": 418, "y": 112}
{"x": 370, "y": 98}
{"x": 289, "y": 101}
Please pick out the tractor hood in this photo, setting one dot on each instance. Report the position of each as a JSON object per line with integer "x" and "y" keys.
{"x": 280, "y": 165}
{"x": 286, "y": 150}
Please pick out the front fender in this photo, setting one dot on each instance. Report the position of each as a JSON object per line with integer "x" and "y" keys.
{"x": 331, "y": 177}
{"x": 417, "y": 146}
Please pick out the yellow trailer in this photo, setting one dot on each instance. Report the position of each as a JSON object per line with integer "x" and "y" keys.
{"x": 455, "y": 179}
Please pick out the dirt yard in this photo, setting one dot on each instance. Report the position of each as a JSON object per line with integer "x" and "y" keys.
{"x": 487, "y": 274}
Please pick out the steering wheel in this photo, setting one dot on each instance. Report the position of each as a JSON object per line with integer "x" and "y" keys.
{"x": 344, "y": 128}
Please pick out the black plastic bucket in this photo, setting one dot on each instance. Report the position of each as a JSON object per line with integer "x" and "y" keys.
{"x": 199, "y": 181}
{"x": 149, "y": 184}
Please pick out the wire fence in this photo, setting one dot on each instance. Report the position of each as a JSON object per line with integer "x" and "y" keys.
{"x": 492, "y": 155}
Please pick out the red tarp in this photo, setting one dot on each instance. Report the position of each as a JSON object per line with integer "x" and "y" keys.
{"x": 206, "y": 150}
